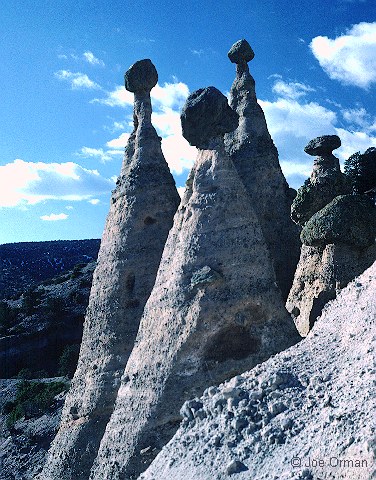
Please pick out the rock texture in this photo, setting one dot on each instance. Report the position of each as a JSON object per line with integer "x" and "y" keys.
{"x": 140, "y": 216}
{"x": 305, "y": 414}
{"x": 338, "y": 244}
{"x": 348, "y": 219}
{"x": 325, "y": 183}
{"x": 214, "y": 310}
{"x": 256, "y": 159}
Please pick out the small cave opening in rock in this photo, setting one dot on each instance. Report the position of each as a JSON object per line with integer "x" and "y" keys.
{"x": 233, "y": 342}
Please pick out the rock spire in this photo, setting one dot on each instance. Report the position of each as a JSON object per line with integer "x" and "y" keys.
{"x": 326, "y": 180}
{"x": 141, "y": 213}
{"x": 214, "y": 310}
{"x": 255, "y": 157}
{"x": 338, "y": 235}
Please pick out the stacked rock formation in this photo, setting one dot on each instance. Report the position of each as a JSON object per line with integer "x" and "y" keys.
{"x": 325, "y": 183}
{"x": 141, "y": 214}
{"x": 338, "y": 237}
{"x": 255, "y": 157}
{"x": 214, "y": 310}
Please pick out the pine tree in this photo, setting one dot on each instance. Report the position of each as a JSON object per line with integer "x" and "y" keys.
{"x": 361, "y": 171}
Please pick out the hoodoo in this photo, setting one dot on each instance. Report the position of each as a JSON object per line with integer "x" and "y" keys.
{"x": 255, "y": 157}
{"x": 215, "y": 309}
{"x": 141, "y": 214}
{"x": 338, "y": 235}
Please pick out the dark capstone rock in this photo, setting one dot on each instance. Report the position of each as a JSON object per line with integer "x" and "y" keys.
{"x": 348, "y": 219}
{"x": 241, "y": 52}
{"x": 206, "y": 115}
{"x": 323, "y": 145}
{"x": 141, "y": 76}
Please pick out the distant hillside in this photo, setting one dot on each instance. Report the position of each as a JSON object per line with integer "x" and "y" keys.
{"x": 27, "y": 264}
{"x": 40, "y": 332}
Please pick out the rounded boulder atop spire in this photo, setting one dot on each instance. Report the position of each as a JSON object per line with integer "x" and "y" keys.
{"x": 241, "y": 52}
{"x": 206, "y": 115}
{"x": 142, "y": 76}
{"x": 323, "y": 145}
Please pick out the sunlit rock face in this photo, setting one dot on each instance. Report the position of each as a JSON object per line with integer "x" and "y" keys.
{"x": 255, "y": 157}
{"x": 141, "y": 214}
{"x": 215, "y": 309}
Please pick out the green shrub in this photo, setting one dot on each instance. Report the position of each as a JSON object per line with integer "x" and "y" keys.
{"x": 8, "y": 317}
{"x": 31, "y": 300}
{"x": 68, "y": 360}
{"x": 32, "y": 399}
{"x": 360, "y": 168}
{"x": 77, "y": 270}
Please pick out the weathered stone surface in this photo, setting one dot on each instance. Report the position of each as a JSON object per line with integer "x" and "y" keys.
{"x": 241, "y": 52}
{"x": 256, "y": 159}
{"x": 203, "y": 104}
{"x": 141, "y": 213}
{"x": 309, "y": 410}
{"x": 321, "y": 273}
{"x": 214, "y": 310}
{"x": 322, "y": 146}
{"x": 141, "y": 76}
{"x": 325, "y": 183}
{"x": 348, "y": 219}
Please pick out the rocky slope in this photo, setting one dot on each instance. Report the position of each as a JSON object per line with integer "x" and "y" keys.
{"x": 37, "y": 327}
{"x": 24, "y": 444}
{"x": 307, "y": 413}
{"x": 27, "y": 264}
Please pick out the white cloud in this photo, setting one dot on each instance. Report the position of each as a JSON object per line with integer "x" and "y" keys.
{"x": 181, "y": 191}
{"x": 77, "y": 80}
{"x": 99, "y": 153}
{"x": 119, "y": 142}
{"x": 293, "y": 90}
{"x": 94, "y": 201}
{"x": 120, "y": 97}
{"x": 53, "y": 217}
{"x": 27, "y": 183}
{"x": 177, "y": 151}
{"x": 349, "y": 58}
{"x": 167, "y": 101}
{"x": 292, "y": 123}
{"x": 171, "y": 95}
{"x": 92, "y": 59}
{"x": 359, "y": 117}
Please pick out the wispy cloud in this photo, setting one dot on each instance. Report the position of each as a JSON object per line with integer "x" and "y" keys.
{"x": 99, "y": 153}
{"x": 92, "y": 59}
{"x": 292, "y": 90}
{"x": 29, "y": 183}
{"x": 77, "y": 80}
{"x": 349, "y": 58}
{"x": 53, "y": 217}
{"x": 94, "y": 201}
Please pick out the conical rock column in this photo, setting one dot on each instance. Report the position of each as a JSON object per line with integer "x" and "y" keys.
{"x": 255, "y": 157}
{"x": 214, "y": 311}
{"x": 140, "y": 217}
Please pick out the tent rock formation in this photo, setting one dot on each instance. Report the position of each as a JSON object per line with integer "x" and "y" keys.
{"x": 214, "y": 310}
{"x": 255, "y": 157}
{"x": 141, "y": 214}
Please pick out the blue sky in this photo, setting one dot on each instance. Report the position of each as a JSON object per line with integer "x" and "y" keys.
{"x": 65, "y": 115}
